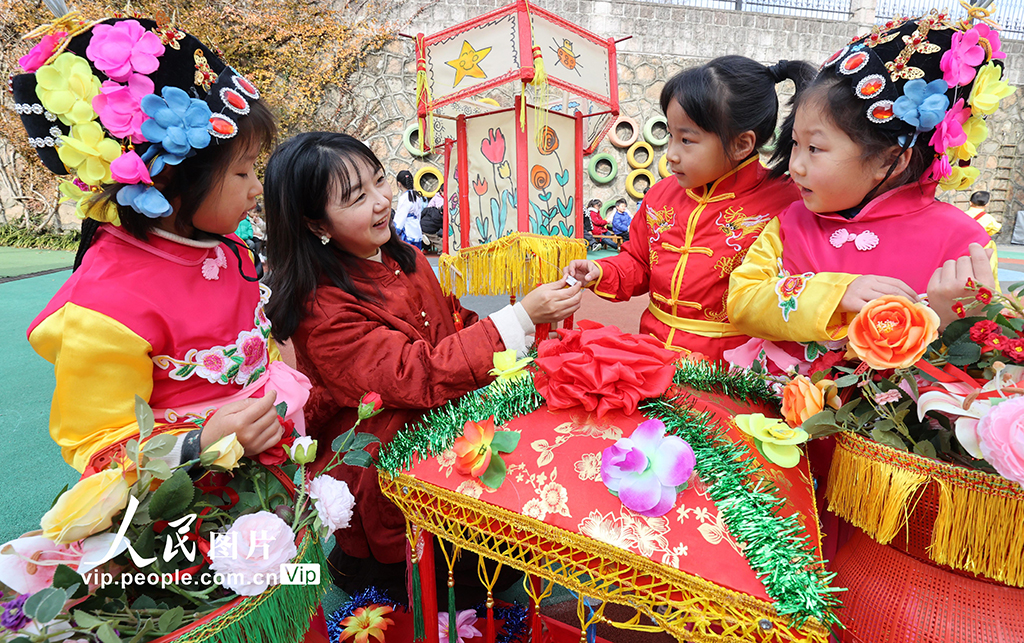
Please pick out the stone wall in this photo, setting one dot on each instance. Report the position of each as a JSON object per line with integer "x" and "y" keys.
{"x": 380, "y": 102}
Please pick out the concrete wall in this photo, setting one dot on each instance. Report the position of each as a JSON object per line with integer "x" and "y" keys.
{"x": 379, "y": 104}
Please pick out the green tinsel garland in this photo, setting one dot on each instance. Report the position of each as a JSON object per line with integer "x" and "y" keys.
{"x": 777, "y": 548}
{"x": 717, "y": 378}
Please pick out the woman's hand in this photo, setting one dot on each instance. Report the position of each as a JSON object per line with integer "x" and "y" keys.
{"x": 867, "y": 287}
{"x": 583, "y": 271}
{"x": 253, "y": 421}
{"x": 949, "y": 282}
{"x": 553, "y": 302}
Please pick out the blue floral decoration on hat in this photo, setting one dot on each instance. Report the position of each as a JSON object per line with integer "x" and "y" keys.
{"x": 145, "y": 199}
{"x": 177, "y": 122}
{"x": 922, "y": 104}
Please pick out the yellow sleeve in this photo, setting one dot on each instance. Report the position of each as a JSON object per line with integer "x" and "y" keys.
{"x": 100, "y": 366}
{"x": 766, "y": 304}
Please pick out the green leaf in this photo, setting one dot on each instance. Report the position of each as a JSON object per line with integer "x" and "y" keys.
{"x": 160, "y": 445}
{"x": 845, "y": 412}
{"x": 963, "y": 353}
{"x": 171, "y": 619}
{"x": 173, "y": 497}
{"x": 144, "y": 416}
{"x": 364, "y": 440}
{"x": 1013, "y": 323}
{"x": 847, "y": 380}
{"x": 208, "y": 457}
{"x": 821, "y": 424}
{"x": 86, "y": 620}
{"x": 958, "y": 329}
{"x": 57, "y": 497}
{"x": 342, "y": 442}
{"x": 1015, "y": 286}
{"x": 107, "y": 635}
{"x": 281, "y": 408}
{"x": 505, "y": 441}
{"x": 144, "y": 603}
{"x": 64, "y": 578}
{"x": 45, "y": 605}
{"x": 889, "y": 438}
{"x": 358, "y": 459}
{"x": 925, "y": 448}
{"x": 495, "y": 473}
{"x": 232, "y": 372}
{"x": 817, "y": 377}
{"x": 885, "y": 425}
{"x": 184, "y": 371}
{"x": 145, "y": 544}
{"x": 158, "y": 468}
{"x": 131, "y": 449}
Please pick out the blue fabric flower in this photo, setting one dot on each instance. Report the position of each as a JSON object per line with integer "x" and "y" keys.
{"x": 176, "y": 121}
{"x": 160, "y": 161}
{"x": 922, "y": 104}
{"x": 145, "y": 199}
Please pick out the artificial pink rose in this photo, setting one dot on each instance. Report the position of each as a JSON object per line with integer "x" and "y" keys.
{"x": 38, "y": 55}
{"x": 119, "y": 106}
{"x": 990, "y": 36}
{"x": 129, "y": 168}
{"x": 959, "y": 63}
{"x": 122, "y": 48}
{"x": 262, "y": 543}
{"x": 334, "y": 502}
{"x": 1001, "y": 433}
{"x": 950, "y": 130}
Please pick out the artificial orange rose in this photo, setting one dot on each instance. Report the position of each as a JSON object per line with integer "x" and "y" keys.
{"x": 892, "y": 332}
{"x": 801, "y": 399}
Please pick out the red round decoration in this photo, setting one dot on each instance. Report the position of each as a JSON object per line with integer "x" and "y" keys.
{"x": 854, "y": 62}
{"x": 246, "y": 87}
{"x": 223, "y": 127}
{"x": 881, "y": 111}
{"x": 235, "y": 100}
{"x": 870, "y": 86}
{"x": 834, "y": 57}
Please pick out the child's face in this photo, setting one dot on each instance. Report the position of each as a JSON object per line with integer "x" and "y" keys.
{"x": 694, "y": 156}
{"x": 827, "y": 165}
{"x": 230, "y": 201}
{"x": 621, "y": 207}
{"x": 362, "y": 223}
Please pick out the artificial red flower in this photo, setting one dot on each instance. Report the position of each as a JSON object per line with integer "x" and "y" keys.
{"x": 826, "y": 361}
{"x": 277, "y": 454}
{"x": 1014, "y": 349}
{"x": 983, "y": 330}
{"x": 370, "y": 405}
{"x": 995, "y": 342}
{"x": 958, "y": 308}
{"x": 984, "y": 295}
{"x": 473, "y": 447}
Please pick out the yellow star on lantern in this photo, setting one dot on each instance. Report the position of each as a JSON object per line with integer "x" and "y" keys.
{"x": 468, "y": 63}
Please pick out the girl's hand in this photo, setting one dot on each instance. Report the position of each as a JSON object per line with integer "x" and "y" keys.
{"x": 553, "y": 302}
{"x": 583, "y": 271}
{"x": 867, "y": 287}
{"x": 253, "y": 421}
{"x": 948, "y": 283}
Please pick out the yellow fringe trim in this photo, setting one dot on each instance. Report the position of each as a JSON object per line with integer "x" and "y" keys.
{"x": 978, "y": 527}
{"x": 686, "y": 606}
{"x": 514, "y": 264}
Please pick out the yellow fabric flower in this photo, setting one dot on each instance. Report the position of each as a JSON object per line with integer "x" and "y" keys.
{"x": 976, "y": 131}
{"x": 960, "y": 179}
{"x": 775, "y": 439}
{"x": 506, "y": 368}
{"x": 66, "y": 88}
{"x": 229, "y": 451}
{"x": 87, "y": 508}
{"x": 988, "y": 90}
{"x": 85, "y": 205}
{"x": 89, "y": 152}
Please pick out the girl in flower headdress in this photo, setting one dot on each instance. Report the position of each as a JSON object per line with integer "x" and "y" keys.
{"x": 159, "y": 138}
{"x": 889, "y": 119}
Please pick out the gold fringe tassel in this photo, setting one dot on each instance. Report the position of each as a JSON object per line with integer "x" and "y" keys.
{"x": 978, "y": 526}
{"x": 513, "y": 264}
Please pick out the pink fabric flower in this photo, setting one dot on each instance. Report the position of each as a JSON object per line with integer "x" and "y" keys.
{"x": 465, "y": 626}
{"x": 38, "y": 55}
{"x": 124, "y": 47}
{"x": 950, "y": 131}
{"x": 888, "y": 397}
{"x": 334, "y": 502}
{"x": 992, "y": 36}
{"x": 262, "y": 543}
{"x": 646, "y": 469}
{"x": 964, "y": 55}
{"x": 940, "y": 169}
{"x": 119, "y": 109}
{"x": 129, "y": 168}
{"x": 1001, "y": 433}
{"x": 27, "y": 564}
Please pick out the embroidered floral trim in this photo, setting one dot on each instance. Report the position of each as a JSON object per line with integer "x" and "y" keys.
{"x": 241, "y": 362}
{"x": 212, "y": 265}
{"x": 788, "y": 288}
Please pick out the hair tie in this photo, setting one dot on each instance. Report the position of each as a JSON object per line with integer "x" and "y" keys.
{"x": 779, "y": 71}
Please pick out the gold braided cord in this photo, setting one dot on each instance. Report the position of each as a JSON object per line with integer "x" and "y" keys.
{"x": 686, "y": 606}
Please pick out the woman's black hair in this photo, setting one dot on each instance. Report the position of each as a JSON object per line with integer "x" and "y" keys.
{"x": 302, "y": 175}
{"x": 191, "y": 181}
{"x": 834, "y": 96}
{"x": 733, "y": 94}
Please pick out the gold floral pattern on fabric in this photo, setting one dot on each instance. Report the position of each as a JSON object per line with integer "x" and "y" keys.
{"x": 589, "y": 466}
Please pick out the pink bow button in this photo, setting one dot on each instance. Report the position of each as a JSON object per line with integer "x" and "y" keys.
{"x": 864, "y": 241}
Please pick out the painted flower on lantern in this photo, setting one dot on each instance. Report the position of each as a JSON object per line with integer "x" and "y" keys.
{"x": 922, "y": 104}
{"x": 480, "y": 185}
{"x": 540, "y": 177}
{"x": 776, "y": 440}
{"x": 507, "y": 368}
{"x": 976, "y": 131}
{"x": 493, "y": 147}
{"x": 366, "y": 622}
{"x": 959, "y": 63}
{"x": 988, "y": 90}
{"x": 950, "y": 131}
{"x": 648, "y": 469}
{"x": 477, "y": 449}
{"x": 547, "y": 140}
{"x": 504, "y": 170}
{"x": 66, "y": 88}
{"x": 38, "y": 55}
{"x": 87, "y": 151}
{"x": 178, "y": 122}
{"x": 124, "y": 47}
{"x": 119, "y": 106}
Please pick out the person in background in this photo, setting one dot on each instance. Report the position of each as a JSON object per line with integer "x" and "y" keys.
{"x": 597, "y": 224}
{"x": 408, "y": 211}
{"x": 621, "y": 220}
{"x": 977, "y": 212}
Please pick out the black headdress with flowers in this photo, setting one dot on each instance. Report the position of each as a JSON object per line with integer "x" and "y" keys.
{"x": 117, "y": 100}
{"x": 929, "y": 76}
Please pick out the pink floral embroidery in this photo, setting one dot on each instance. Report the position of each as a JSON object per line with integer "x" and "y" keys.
{"x": 864, "y": 241}
{"x": 122, "y": 48}
{"x": 119, "y": 106}
{"x": 950, "y": 131}
{"x": 788, "y": 289}
{"x": 39, "y": 54}
{"x": 253, "y": 348}
{"x": 212, "y": 265}
{"x": 959, "y": 64}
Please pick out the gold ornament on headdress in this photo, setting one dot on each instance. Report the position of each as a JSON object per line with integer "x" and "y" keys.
{"x": 70, "y": 23}
{"x": 917, "y": 43}
{"x": 978, "y": 14}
